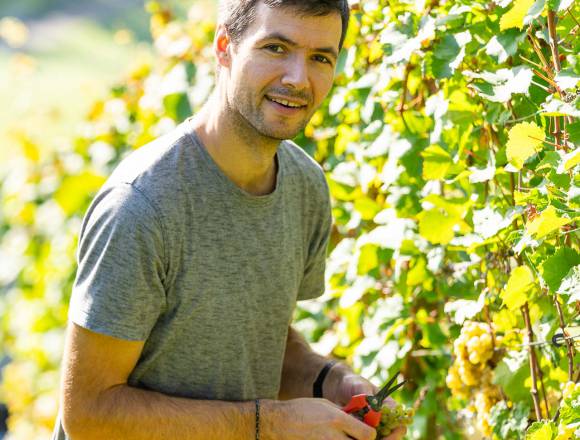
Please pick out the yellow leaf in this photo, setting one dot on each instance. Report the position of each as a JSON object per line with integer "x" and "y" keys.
{"x": 76, "y": 190}
{"x": 436, "y": 227}
{"x": 572, "y": 159}
{"x": 515, "y": 16}
{"x": 436, "y": 162}
{"x": 547, "y": 222}
{"x": 375, "y": 51}
{"x": 505, "y": 320}
{"x": 524, "y": 140}
{"x": 543, "y": 433}
{"x": 516, "y": 292}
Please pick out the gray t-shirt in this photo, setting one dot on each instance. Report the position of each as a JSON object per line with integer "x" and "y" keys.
{"x": 173, "y": 253}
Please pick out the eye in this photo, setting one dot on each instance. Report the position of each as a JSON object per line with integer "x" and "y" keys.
{"x": 275, "y": 48}
{"x": 322, "y": 59}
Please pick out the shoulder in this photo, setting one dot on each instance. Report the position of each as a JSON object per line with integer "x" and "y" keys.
{"x": 152, "y": 161}
{"x": 157, "y": 171}
{"x": 122, "y": 206}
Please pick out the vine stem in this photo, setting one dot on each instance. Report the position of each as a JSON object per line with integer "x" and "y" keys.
{"x": 533, "y": 362}
{"x": 569, "y": 344}
{"x": 556, "y": 61}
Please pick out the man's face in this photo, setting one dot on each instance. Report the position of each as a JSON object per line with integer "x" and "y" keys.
{"x": 286, "y": 58}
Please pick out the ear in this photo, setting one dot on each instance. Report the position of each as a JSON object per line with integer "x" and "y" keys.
{"x": 221, "y": 46}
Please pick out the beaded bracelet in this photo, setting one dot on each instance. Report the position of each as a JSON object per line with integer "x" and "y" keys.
{"x": 257, "y": 419}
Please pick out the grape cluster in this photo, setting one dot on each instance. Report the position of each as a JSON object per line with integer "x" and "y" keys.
{"x": 393, "y": 417}
{"x": 470, "y": 376}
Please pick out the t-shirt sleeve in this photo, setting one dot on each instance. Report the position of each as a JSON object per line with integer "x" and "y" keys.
{"x": 119, "y": 287}
{"x": 313, "y": 282}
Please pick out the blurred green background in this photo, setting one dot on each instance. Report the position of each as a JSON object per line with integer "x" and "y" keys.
{"x": 66, "y": 54}
{"x": 57, "y": 57}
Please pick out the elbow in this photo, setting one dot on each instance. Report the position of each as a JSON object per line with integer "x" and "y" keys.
{"x": 77, "y": 425}
{"x": 74, "y": 425}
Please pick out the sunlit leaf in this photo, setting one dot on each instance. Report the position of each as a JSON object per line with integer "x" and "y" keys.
{"x": 558, "y": 265}
{"x": 541, "y": 431}
{"x": 436, "y": 162}
{"x": 515, "y": 16}
{"x": 548, "y": 221}
{"x": 570, "y": 285}
{"x": 519, "y": 287}
{"x": 74, "y": 191}
{"x": 437, "y": 227}
{"x": 525, "y": 139}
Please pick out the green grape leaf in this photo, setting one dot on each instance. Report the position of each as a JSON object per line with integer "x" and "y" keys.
{"x": 555, "y": 107}
{"x": 517, "y": 290}
{"x": 505, "y": 44}
{"x": 436, "y": 162}
{"x": 570, "y": 285}
{"x": 569, "y": 161}
{"x": 511, "y": 374}
{"x": 574, "y": 133}
{"x": 436, "y": 226}
{"x": 541, "y": 431}
{"x": 368, "y": 258}
{"x": 547, "y": 222}
{"x": 556, "y": 267}
{"x": 177, "y": 106}
{"x": 509, "y": 423}
{"x": 367, "y": 208}
{"x": 499, "y": 86}
{"x": 559, "y": 5}
{"x": 74, "y": 191}
{"x": 524, "y": 140}
{"x": 515, "y": 16}
{"x": 418, "y": 273}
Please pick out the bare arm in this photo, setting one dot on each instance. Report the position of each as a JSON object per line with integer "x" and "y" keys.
{"x": 301, "y": 368}
{"x": 98, "y": 403}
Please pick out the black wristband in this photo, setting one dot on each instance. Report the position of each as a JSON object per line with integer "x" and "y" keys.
{"x": 317, "y": 388}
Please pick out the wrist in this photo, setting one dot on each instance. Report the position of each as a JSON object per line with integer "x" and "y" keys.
{"x": 270, "y": 418}
{"x": 333, "y": 380}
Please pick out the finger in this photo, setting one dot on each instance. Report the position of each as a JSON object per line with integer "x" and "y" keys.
{"x": 397, "y": 434}
{"x": 359, "y": 430}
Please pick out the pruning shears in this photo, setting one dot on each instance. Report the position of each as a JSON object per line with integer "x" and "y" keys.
{"x": 368, "y": 407}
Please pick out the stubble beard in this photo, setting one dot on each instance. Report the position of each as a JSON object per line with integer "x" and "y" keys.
{"x": 250, "y": 121}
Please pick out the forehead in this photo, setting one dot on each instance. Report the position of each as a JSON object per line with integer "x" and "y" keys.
{"x": 308, "y": 31}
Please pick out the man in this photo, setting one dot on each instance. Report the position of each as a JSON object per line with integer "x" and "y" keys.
{"x": 194, "y": 253}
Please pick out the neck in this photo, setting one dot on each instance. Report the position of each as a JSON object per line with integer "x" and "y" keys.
{"x": 244, "y": 155}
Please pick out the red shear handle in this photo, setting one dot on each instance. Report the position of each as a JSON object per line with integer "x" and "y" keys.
{"x": 359, "y": 407}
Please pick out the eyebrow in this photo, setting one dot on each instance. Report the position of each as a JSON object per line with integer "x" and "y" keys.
{"x": 280, "y": 37}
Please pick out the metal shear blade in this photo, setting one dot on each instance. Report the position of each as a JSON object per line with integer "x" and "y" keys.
{"x": 387, "y": 390}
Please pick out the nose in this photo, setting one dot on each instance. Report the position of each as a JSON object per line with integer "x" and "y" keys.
{"x": 296, "y": 73}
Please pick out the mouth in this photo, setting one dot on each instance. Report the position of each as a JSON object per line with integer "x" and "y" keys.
{"x": 286, "y": 103}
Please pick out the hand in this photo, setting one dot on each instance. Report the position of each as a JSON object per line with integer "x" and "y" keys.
{"x": 342, "y": 385}
{"x": 311, "y": 419}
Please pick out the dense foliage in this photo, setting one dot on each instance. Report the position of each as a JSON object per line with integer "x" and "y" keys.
{"x": 450, "y": 144}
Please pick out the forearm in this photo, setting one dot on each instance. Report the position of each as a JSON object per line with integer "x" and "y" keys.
{"x": 301, "y": 368}
{"x": 128, "y": 413}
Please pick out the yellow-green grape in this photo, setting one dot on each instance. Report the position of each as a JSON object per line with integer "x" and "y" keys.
{"x": 392, "y": 417}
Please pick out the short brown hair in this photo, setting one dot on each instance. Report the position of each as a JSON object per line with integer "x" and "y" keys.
{"x": 238, "y": 15}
